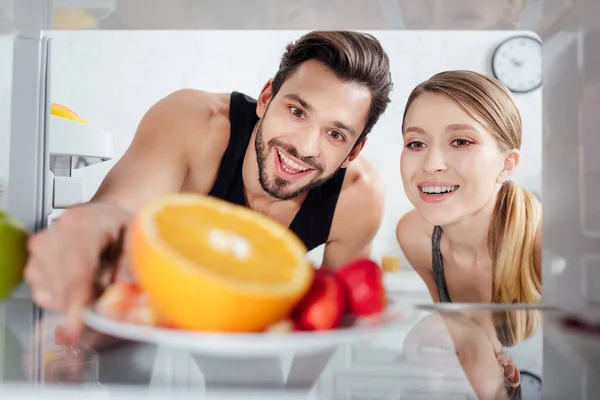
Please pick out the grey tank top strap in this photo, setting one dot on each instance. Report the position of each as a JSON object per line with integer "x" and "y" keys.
{"x": 438, "y": 266}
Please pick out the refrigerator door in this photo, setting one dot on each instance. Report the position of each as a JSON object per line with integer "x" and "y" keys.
{"x": 23, "y": 109}
{"x": 22, "y": 170}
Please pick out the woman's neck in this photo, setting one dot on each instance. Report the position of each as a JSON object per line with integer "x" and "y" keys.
{"x": 467, "y": 239}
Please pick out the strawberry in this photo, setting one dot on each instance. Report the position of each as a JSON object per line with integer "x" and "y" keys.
{"x": 117, "y": 300}
{"x": 363, "y": 283}
{"x": 124, "y": 301}
{"x": 323, "y": 305}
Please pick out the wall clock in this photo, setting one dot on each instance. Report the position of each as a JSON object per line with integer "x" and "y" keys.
{"x": 517, "y": 63}
{"x": 531, "y": 385}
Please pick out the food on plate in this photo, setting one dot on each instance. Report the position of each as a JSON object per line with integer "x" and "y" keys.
{"x": 59, "y": 110}
{"x": 323, "y": 307}
{"x": 363, "y": 280}
{"x": 13, "y": 253}
{"x": 125, "y": 301}
{"x": 209, "y": 265}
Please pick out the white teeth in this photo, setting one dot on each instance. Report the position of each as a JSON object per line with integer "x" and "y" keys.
{"x": 438, "y": 189}
{"x": 291, "y": 163}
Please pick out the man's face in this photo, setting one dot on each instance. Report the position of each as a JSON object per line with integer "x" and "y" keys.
{"x": 308, "y": 130}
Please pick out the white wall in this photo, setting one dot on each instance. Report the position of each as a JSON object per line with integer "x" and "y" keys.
{"x": 111, "y": 78}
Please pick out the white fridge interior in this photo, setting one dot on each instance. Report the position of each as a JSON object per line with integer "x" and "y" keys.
{"x": 44, "y": 161}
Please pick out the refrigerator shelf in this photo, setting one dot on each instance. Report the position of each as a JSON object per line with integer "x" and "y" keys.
{"x": 70, "y": 138}
{"x": 99, "y": 9}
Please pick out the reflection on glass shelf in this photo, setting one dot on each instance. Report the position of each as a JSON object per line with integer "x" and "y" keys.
{"x": 470, "y": 354}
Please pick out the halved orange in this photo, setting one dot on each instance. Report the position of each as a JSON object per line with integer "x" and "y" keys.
{"x": 209, "y": 265}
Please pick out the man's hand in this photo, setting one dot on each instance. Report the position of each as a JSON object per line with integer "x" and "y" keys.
{"x": 64, "y": 259}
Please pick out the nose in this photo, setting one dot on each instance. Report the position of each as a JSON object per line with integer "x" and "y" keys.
{"x": 435, "y": 161}
{"x": 308, "y": 143}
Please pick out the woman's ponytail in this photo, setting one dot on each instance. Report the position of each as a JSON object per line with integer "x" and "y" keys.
{"x": 511, "y": 239}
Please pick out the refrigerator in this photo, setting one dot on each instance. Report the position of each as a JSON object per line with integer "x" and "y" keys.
{"x": 39, "y": 152}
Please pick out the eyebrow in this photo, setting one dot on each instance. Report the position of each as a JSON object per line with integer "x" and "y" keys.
{"x": 304, "y": 104}
{"x": 460, "y": 127}
{"x": 299, "y": 100}
{"x": 449, "y": 128}
{"x": 342, "y": 126}
{"x": 413, "y": 129}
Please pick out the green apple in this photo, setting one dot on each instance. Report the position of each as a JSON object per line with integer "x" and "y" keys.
{"x": 13, "y": 254}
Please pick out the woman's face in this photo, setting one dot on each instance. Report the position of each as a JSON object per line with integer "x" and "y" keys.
{"x": 451, "y": 166}
{"x": 459, "y": 342}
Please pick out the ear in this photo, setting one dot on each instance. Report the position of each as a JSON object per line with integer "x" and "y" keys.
{"x": 510, "y": 165}
{"x": 354, "y": 153}
{"x": 512, "y": 375}
{"x": 265, "y": 97}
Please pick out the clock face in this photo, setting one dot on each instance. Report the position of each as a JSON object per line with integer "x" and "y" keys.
{"x": 517, "y": 63}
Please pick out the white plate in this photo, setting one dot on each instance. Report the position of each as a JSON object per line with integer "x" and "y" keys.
{"x": 253, "y": 344}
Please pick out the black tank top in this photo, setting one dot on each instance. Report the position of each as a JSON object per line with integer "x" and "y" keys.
{"x": 313, "y": 221}
{"x": 438, "y": 266}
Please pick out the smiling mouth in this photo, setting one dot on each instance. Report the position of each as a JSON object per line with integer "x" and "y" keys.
{"x": 289, "y": 165}
{"x": 437, "y": 189}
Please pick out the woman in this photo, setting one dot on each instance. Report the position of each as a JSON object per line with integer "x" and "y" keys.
{"x": 448, "y": 345}
{"x": 474, "y": 235}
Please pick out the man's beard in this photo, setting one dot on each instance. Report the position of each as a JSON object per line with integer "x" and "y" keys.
{"x": 276, "y": 186}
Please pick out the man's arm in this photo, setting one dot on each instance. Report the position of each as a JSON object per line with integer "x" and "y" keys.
{"x": 357, "y": 219}
{"x": 157, "y": 161}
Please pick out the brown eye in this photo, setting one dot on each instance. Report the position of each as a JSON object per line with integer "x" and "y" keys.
{"x": 296, "y": 112}
{"x": 416, "y": 145}
{"x": 461, "y": 142}
{"x": 336, "y": 135}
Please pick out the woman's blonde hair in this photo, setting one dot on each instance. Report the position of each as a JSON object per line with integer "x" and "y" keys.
{"x": 514, "y": 326}
{"x": 517, "y": 214}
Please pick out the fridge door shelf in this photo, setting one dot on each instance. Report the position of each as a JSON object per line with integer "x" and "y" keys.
{"x": 68, "y": 191}
{"x": 70, "y": 138}
{"x": 99, "y": 9}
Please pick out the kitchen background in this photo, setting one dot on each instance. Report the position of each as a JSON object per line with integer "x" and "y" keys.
{"x": 111, "y": 78}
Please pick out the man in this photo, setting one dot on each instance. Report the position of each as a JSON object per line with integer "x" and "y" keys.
{"x": 292, "y": 154}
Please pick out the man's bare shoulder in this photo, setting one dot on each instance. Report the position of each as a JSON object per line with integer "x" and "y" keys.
{"x": 363, "y": 185}
{"x": 361, "y": 204}
{"x": 201, "y": 117}
{"x": 193, "y": 107}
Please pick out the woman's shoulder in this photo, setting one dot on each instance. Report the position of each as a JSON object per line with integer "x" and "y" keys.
{"x": 414, "y": 238}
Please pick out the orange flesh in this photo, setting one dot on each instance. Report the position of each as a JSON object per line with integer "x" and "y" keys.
{"x": 186, "y": 229}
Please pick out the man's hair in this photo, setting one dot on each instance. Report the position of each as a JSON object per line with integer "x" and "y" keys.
{"x": 351, "y": 56}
